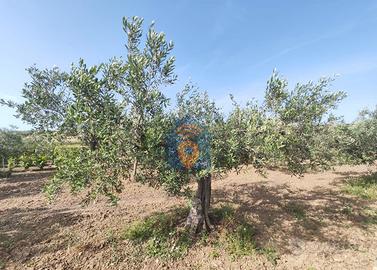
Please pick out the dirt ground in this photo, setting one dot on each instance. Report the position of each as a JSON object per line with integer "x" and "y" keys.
{"x": 64, "y": 235}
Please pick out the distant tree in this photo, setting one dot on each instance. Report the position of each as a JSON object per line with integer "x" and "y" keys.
{"x": 303, "y": 117}
{"x": 11, "y": 144}
{"x": 358, "y": 140}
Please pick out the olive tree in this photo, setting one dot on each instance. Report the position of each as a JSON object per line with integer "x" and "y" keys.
{"x": 46, "y": 99}
{"x": 146, "y": 69}
{"x": 121, "y": 115}
{"x": 196, "y": 105}
{"x": 358, "y": 143}
{"x": 11, "y": 144}
{"x": 303, "y": 118}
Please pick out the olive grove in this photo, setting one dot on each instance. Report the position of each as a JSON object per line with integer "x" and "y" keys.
{"x": 121, "y": 116}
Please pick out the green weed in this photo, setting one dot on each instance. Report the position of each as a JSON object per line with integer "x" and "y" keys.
{"x": 270, "y": 253}
{"x": 161, "y": 235}
{"x": 364, "y": 187}
{"x": 240, "y": 241}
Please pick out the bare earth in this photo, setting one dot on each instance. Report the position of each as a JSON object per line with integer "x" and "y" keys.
{"x": 333, "y": 235}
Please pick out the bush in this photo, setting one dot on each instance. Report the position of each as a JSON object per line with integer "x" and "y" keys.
{"x": 26, "y": 161}
{"x": 41, "y": 161}
{"x": 11, "y": 163}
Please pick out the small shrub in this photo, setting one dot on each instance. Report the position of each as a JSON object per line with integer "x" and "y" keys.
{"x": 26, "y": 161}
{"x": 41, "y": 161}
{"x": 11, "y": 163}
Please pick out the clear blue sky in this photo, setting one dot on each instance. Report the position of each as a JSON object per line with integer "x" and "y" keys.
{"x": 222, "y": 46}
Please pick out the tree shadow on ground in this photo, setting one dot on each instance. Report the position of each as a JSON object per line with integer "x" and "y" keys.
{"x": 24, "y": 231}
{"x": 23, "y": 184}
{"x": 281, "y": 214}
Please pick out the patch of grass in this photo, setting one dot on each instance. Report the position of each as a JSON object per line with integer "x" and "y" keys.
{"x": 364, "y": 187}
{"x": 347, "y": 210}
{"x": 112, "y": 240}
{"x": 223, "y": 213}
{"x": 240, "y": 241}
{"x": 6, "y": 242}
{"x": 161, "y": 235}
{"x": 237, "y": 236}
{"x": 270, "y": 253}
{"x": 296, "y": 210}
{"x": 215, "y": 253}
{"x": 370, "y": 216}
{"x": 2, "y": 264}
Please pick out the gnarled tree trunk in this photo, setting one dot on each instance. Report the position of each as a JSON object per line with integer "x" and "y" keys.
{"x": 198, "y": 218}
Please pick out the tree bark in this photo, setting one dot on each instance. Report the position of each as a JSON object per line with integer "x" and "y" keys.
{"x": 198, "y": 218}
{"x": 93, "y": 144}
{"x": 134, "y": 170}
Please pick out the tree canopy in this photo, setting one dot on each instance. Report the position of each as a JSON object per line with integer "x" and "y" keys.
{"x": 122, "y": 118}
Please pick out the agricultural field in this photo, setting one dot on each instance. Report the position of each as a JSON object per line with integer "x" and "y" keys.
{"x": 229, "y": 149}
{"x": 320, "y": 221}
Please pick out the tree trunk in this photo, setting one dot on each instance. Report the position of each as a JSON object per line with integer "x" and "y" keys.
{"x": 134, "y": 170}
{"x": 198, "y": 218}
{"x": 93, "y": 144}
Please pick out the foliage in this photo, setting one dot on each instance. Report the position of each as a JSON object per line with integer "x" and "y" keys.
{"x": 26, "y": 149}
{"x": 11, "y": 144}
{"x": 94, "y": 110}
{"x": 146, "y": 70}
{"x": 119, "y": 113}
{"x": 46, "y": 99}
{"x": 28, "y": 160}
{"x": 81, "y": 168}
{"x": 303, "y": 117}
{"x": 11, "y": 163}
{"x": 359, "y": 139}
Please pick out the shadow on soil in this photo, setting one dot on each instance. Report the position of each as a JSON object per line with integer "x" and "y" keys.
{"x": 281, "y": 214}
{"x": 24, "y": 231}
{"x": 278, "y": 213}
{"x": 23, "y": 184}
